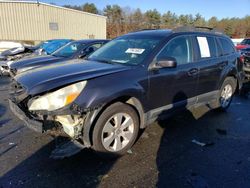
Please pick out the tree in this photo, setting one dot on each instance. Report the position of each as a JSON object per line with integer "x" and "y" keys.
{"x": 90, "y": 7}
{"x": 212, "y": 22}
{"x": 75, "y": 7}
{"x": 114, "y": 20}
{"x": 169, "y": 20}
{"x": 124, "y": 20}
{"x": 183, "y": 20}
{"x": 138, "y": 19}
{"x": 199, "y": 20}
{"x": 153, "y": 18}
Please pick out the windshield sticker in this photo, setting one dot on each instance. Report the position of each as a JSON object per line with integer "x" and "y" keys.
{"x": 204, "y": 48}
{"x": 135, "y": 51}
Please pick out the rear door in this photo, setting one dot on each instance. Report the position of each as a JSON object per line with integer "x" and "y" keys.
{"x": 172, "y": 88}
{"x": 209, "y": 62}
{"x": 214, "y": 56}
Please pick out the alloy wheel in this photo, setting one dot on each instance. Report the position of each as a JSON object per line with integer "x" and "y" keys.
{"x": 117, "y": 132}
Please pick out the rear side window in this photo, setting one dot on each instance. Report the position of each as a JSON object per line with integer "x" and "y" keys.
{"x": 207, "y": 46}
{"x": 212, "y": 47}
{"x": 226, "y": 46}
{"x": 180, "y": 48}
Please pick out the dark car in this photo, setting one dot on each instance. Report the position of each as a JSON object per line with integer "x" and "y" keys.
{"x": 73, "y": 50}
{"x": 127, "y": 84}
{"x": 244, "y": 44}
{"x": 50, "y": 46}
{"x": 47, "y": 47}
{"x": 245, "y": 58}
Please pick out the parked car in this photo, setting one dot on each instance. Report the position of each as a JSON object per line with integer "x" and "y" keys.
{"x": 50, "y": 46}
{"x": 245, "y": 58}
{"x": 244, "y": 44}
{"x": 47, "y": 47}
{"x": 132, "y": 81}
{"x": 73, "y": 50}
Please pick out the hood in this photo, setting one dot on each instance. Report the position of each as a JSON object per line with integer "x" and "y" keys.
{"x": 35, "y": 61}
{"x": 13, "y": 51}
{"x": 3, "y": 63}
{"x": 3, "y": 58}
{"x": 48, "y": 78}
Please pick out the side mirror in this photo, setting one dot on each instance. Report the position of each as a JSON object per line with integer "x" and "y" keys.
{"x": 166, "y": 62}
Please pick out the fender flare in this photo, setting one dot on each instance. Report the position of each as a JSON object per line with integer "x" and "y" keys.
{"x": 92, "y": 116}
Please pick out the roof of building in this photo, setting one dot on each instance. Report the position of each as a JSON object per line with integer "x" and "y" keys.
{"x": 51, "y": 5}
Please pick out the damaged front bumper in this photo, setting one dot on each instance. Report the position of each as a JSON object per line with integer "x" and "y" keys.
{"x": 72, "y": 121}
{"x": 4, "y": 70}
{"x": 56, "y": 123}
{"x": 32, "y": 124}
{"x": 65, "y": 149}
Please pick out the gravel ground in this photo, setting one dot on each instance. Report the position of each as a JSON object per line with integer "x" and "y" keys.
{"x": 164, "y": 155}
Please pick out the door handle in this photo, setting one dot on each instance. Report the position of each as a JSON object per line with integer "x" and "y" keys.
{"x": 193, "y": 72}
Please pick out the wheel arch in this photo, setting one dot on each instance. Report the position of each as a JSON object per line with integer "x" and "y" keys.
{"x": 92, "y": 116}
{"x": 231, "y": 73}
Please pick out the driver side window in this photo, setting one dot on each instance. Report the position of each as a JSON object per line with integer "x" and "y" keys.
{"x": 89, "y": 50}
{"x": 179, "y": 48}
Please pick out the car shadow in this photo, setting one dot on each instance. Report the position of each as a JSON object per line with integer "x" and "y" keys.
{"x": 178, "y": 154}
{"x": 245, "y": 92}
{"x": 180, "y": 162}
{"x": 84, "y": 169}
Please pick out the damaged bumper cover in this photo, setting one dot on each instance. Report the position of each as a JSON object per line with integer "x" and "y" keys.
{"x": 32, "y": 124}
{"x": 70, "y": 120}
{"x": 4, "y": 70}
{"x": 73, "y": 120}
{"x": 66, "y": 149}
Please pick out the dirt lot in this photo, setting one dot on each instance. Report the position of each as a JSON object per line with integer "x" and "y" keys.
{"x": 164, "y": 156}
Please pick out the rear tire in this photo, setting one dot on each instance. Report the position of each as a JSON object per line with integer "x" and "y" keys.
{"x": 226, "y": 93}
{"x": 116, "y": 130}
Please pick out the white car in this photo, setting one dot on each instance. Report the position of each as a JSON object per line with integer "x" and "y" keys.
{"x": 4, "y": 67}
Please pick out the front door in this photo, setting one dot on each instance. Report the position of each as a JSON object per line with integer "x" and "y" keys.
{"x": 172, "y": 88}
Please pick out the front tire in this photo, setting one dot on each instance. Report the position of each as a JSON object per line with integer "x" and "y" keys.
{"x": 116, "y": 130}
{"x": 226, "y": 93}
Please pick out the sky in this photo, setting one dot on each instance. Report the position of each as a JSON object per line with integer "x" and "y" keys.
{"x": 207, "y": 8}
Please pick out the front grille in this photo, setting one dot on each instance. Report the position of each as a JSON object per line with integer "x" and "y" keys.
{"x": 247, "y": 54}
{"x": 247, "y": 64}
{"x": 247, "y": 58}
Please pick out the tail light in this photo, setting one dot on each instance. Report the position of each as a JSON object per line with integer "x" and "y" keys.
{"x": 242, "y": 58}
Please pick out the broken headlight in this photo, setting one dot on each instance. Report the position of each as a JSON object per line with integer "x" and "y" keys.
{"x": 58, "y": 99}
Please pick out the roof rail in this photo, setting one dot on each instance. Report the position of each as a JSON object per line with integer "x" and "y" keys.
{"x": 144, "y": 29}
{"x": 197, "y": 28}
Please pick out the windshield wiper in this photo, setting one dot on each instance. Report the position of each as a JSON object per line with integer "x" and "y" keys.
{"x": 101, "y": 60}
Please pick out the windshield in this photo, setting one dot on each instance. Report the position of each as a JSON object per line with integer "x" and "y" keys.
{"x": 40, "y": 45}
{"x": 125, "y": 50}
{"x": 69, "y": 50}
{"x": 245, "y": 42}
{"x": 51, "y": 47}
